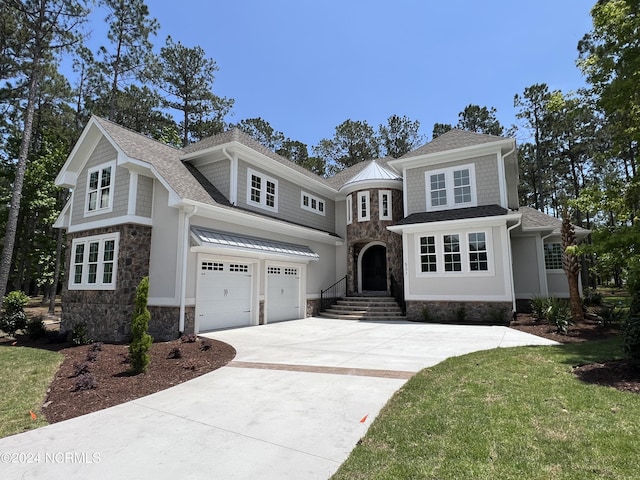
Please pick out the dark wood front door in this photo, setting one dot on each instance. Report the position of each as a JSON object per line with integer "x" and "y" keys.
{"x": 374, "y": 269}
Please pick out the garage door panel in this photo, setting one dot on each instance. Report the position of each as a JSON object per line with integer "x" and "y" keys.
{"x": 224, "y": 295}
{"x": 283, "y": 293}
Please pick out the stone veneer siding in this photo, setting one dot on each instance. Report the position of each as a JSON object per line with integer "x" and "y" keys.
{"x": 313, "y": 307}
{"x": 492, "y": 313}
{"x": 107, "y": 313}
{"x": 360, "y": 234}
{"x": 165, "y": 322}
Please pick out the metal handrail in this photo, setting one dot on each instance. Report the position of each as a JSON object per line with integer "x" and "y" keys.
{"x": 330, "y": 294}
{"x": 397, "y": 292}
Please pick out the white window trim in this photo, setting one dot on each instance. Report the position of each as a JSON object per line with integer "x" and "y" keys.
{"x": 108, "y": 208}
{"x": 263, "y": 186}
{"x": 367, "y": 216}
{"x": 448, "y": 179}
{"x": 99, "y": 285}
{"x": 466, "y": 271}
{"x": 349, "y": 209}
{"x": 309, "y": 207}
{"x": 381, "y": 194}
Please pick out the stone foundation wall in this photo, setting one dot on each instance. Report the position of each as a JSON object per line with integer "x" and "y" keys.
{"x": 313, "y": 307}
{"x": 492, "y": 313}
{"x": 107, "y": 313}
{"x": 165, "y": 322}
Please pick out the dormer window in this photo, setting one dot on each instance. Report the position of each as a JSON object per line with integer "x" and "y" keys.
{"x": 262, "y": 190}
{"x": 451, "y": 188}
{"x": 100, "y": 189}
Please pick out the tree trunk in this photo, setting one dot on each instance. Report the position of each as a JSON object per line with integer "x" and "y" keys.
{"x": 56, "y": 273}
{"x": 21, "y": 167}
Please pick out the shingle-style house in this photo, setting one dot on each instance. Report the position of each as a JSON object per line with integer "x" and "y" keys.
{"x": 232, "y": 234}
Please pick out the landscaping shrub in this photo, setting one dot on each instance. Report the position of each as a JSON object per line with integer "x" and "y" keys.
{"x": 558, "y": 313}
{"x": 631, "y": 331}
{"x": 79, "y": 334}
{"x": 610, "y": 315}
{"x": 174, "y": 353}
{"x": 92, "y": 355}
{"x": 141, "y": 341}
{"x": 205, "y": 345}
{"x": 80, "y": 368}
{"x": 188, "y": 338}
{"x": 35, "y": 328}
{"x": 13, "y": 317}
{"x": 592, "y": 297}
{"x": 96, "y": 346}
{"x": 85, "y": 381}
{"x": 539, "y": 307}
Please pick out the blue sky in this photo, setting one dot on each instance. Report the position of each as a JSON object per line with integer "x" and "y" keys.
{"x": 306, "y": 66}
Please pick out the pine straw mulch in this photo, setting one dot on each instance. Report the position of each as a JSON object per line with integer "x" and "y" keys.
{"x": 112, "y": 382}
{"x": 620, "y": 374}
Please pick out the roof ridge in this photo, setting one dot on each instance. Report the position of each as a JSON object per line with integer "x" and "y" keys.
{"x": 101, "y": 119}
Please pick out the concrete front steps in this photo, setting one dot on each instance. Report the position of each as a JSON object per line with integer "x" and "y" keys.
{"x": 367, "y": 307}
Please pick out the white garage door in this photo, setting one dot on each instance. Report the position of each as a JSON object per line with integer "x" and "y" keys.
{"x": 224, "y": 295}
{"x": 283, "y": 293}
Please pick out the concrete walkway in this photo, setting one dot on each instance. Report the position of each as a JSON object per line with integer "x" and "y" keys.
{"x": 292, "y": 405}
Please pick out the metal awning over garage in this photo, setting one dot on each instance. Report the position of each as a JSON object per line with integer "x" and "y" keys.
{"x": 205, "y": 237}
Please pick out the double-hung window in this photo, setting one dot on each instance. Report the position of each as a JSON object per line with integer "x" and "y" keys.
{"x": 100, "y": 189}
{"x": 262, "y": 190}
{"x": 94, "y": 262}
{"x": 453, "y": 187}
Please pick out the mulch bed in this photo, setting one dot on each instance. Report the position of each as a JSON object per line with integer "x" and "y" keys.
{"x": 620, "y": 374}
{"x": 114, "y": 384}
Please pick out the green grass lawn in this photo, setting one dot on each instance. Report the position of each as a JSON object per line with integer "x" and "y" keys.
{"x": 25, "y": 374}
{"x": 516, "y": 413}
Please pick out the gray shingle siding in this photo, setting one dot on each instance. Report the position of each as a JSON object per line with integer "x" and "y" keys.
{"x": 218, "y": 173}
{"x": 289, "y": 201}
{"x": 487, "y": 183}
{"x": 144, "y": 198}
{"x": 103, "y": 153}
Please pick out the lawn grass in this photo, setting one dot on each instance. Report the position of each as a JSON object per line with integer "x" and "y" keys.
{"x": 25, "y": 374}
{"x": 516, "y": 413}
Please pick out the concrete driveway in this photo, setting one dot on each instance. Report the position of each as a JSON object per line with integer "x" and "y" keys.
{"x": 292, "y": 404}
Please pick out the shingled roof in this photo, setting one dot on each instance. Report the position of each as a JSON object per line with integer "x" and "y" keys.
{"x": 237, "y": 135}
{"x": 166, "y": 160}
{"x": 452, "y": 140}
{"x": 533, "y": 219}
{"x": 454, "y": 214}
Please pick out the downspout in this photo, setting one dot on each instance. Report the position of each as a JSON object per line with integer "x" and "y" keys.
{"x": 513, "y": 283}
{"x": 183, "y": 275}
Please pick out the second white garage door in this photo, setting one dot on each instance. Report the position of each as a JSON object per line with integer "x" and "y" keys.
{"x": 283, "y": 293}
{"x": 224, "y": 295}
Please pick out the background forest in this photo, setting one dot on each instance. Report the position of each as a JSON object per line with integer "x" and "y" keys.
{"x": 581, "y": 157}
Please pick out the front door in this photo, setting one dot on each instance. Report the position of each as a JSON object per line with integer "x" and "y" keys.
{"x": 374, "y": 269}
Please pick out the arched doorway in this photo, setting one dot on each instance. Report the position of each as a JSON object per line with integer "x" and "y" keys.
{"x": 373, "y": 268}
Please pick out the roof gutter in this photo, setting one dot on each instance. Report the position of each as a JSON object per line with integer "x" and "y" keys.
{"x": 183, "y": 274}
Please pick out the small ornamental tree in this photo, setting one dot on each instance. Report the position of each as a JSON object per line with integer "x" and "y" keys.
{"x": 141, "y": 341}
{"x": 631, "y": 330}
{"x": 13, "y": 317}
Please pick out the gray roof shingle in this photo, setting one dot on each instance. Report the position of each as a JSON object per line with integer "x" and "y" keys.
{"x": 452, "y": 140}
{"x": 237, "y": 135}
{"x": 165, "y": 159}
{"x": 533, "y": 219}
{"x": 454, "y": 214}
